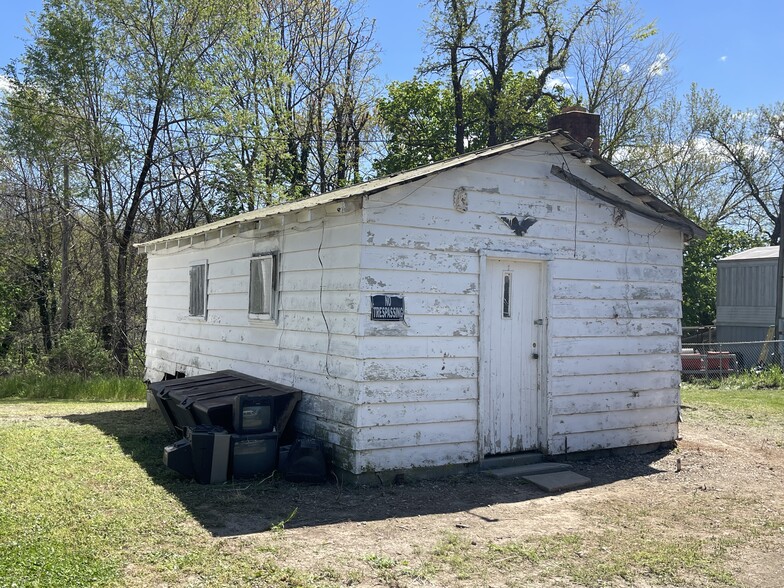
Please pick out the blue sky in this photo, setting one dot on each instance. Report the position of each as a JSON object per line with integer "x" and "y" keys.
{"x": 734, "y": 47}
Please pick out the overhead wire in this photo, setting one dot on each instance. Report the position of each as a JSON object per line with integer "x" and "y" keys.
{"x": 223, "y": 135}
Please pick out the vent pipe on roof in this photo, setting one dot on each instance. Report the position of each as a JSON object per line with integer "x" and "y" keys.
{"x": 579, "y": 123}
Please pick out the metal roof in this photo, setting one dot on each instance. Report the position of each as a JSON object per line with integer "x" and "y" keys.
{"x": 640, "y": 201}
{"x": 754, "y": 253}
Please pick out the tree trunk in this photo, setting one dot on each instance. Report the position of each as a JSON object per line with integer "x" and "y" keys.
{"x": 457, "y": 91}
{"x": 506, "y": 25}
{"x": 124, "y": 250}
{"x": 65, "y": 265}
{"x": 107, "y": 301}
{"x": 41, "y": 272}
{"x": 492, "y": 111}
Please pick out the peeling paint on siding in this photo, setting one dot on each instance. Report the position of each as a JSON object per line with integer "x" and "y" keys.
{"x": 433, "y": 364}
{"x": 371, "y": 281}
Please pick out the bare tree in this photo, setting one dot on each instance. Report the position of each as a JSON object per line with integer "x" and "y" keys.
{"x": 452, "y": 22}
{"x": 499, "y": 38}
{"x": 687, "y": 170}
{"x": 620, "y": 67}
{"x": 158, "y": 50}
{"x": 750, "y": 142}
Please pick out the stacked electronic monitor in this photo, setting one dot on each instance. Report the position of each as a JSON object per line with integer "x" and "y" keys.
{"x": 254, "y": 444}
{"x": 225, "y": 418}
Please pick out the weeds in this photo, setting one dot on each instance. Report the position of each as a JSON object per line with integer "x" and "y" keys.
{"x": 392, "y": 571}
{"x": 71, "y": 387}
{"x": 380, "y": 563}
{"x": 770, "y": 377}
{"x": 280, "y": 526}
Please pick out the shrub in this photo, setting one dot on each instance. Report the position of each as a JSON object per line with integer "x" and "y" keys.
{"x": 769, "y": 377}
{"x": 80, "y": 352}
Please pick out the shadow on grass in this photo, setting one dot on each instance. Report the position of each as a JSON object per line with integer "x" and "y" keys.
{"x": 252, "y": 506}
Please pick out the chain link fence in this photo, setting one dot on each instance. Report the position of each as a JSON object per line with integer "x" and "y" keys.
{"x": 721, "y": 360}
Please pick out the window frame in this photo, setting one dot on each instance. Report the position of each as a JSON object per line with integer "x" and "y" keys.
{"x": 204, "y": 282}
{"x": 270, "y": 291}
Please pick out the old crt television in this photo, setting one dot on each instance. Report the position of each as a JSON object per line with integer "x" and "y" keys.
{"x": 253, "y": 455}
{"x": 253, "y": 414}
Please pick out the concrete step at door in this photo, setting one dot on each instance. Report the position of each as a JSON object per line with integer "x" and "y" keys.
{"x": 497, "y": 462}
{"x": 558, "y": 481}
{"x": 532, "y": 469}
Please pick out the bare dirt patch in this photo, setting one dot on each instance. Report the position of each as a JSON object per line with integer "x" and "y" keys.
{"x": 709, "y": 513}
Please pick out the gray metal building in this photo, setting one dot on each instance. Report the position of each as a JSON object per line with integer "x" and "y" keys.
{"x": 746, "y": 294}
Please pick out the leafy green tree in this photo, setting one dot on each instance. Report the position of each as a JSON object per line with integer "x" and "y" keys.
{"x": 67, "y": 62}
{"x": 16, "y": 297}
{"x": 326, "y": 89}
{"x": 513, "y": 119}
{"x": 699, "y": 271}
{"x": 532, "y": 36}
{"x": 416, "y": 118}
{"x": 158, "y": 50}
{"x": 31, "y": 133}
{"x": 246, "y": 74}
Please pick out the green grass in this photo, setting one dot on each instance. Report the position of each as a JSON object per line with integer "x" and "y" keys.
{"x": 58, "y": 530}
{"x": 590, "y": 558}
{"x": 758, "y": 412}
{"x": 71, "y": 387}
{"x": 753, "y": 409}
{"x": 85, "y": 500}
{"x": 757, "y": 403}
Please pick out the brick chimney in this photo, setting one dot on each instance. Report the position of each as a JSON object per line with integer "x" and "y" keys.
{"x": 579, "y": 123}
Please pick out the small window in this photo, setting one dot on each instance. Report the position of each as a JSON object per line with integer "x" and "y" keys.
{"x": 507, "y": 301}
{"x": 263, "y": 286}
{"x": 198, "y": 290}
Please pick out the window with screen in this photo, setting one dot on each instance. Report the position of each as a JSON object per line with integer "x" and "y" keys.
{"x": 198, "y": 290}
{"x": 263, "y": 286}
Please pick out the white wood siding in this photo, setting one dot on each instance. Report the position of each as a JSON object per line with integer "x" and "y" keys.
{"x": 394, "y": 395}
{"x": 305, "y": 347}
{"x": 613, "y": 315}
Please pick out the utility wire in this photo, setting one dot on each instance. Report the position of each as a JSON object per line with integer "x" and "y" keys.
{"x": 130, "y": 126}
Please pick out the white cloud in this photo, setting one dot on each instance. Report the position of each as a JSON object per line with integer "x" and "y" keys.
{"x": 556, "y": 81}
{"x": 625, "y": 68}
{"x": 660, "y": 65}
{"x": 5, "y": 85}
{"x": 723, "y": 58}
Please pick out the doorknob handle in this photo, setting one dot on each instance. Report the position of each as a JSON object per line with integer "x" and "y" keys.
{"x": 534, "y": 356}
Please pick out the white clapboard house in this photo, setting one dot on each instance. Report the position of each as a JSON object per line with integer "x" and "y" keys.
{"x": 526, "y": 297}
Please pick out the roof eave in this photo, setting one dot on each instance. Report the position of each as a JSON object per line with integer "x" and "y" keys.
{"x": 559, "y": 139}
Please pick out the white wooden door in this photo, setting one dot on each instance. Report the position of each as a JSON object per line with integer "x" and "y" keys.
{"x": 512, "y": 323}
